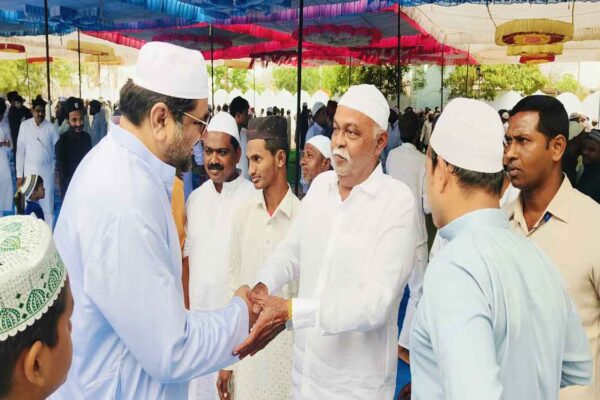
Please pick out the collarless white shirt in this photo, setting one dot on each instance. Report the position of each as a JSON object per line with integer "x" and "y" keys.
{"x": 209, "y": 217}
{"x": 353, "y": 258}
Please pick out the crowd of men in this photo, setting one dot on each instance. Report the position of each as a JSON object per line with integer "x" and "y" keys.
{"x": 34, "y": 144}
{"x": 247, "y": 292}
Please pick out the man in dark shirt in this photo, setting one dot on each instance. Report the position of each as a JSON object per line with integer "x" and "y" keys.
{"x": 16, "y": 114}
{"x": 589, "y": 183}
{"x": 73, "y": 145}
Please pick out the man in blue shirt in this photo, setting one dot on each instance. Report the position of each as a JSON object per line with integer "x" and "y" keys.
{"x": 494, "y": 320}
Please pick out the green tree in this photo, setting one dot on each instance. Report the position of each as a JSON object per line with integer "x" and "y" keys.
{"x": 230, "y": 78}
{"x": 568, "y": 83}
{"x": 30, "y": 80}
{"x": 467, "y": 82}
{"x": 285, "y": 78}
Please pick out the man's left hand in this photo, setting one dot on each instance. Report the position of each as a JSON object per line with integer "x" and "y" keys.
{"x": 271, "y": 321}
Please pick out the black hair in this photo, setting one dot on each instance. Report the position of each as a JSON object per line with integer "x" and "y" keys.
{"x": 467, "y": 179}
{"x": 409, "y": 127}
{"x": 2, "y": 106}
{"x": 553, "y": 118}
{"x": 274, "y": 145}
{"x": 19, "y": 199}
{"x": 238, "y": 105}
{"x": 135, "y": 103}
{"x": 234, "y": 143}
{"x": 44, "y": 330}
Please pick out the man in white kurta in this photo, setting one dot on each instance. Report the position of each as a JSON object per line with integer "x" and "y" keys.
{"x": 258, "y": 227}
{"x": 132, "y": 337}
{"x": 352, "y": 247}
{"x": 407, "y": 164}
{"x": 209, "y": 211}
{"x": 35, "y": 154}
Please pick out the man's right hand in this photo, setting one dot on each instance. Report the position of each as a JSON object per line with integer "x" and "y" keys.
{"x": 19, "y": 182}
{"x": 261, "y": 289}
{"x": 223, "y": 384}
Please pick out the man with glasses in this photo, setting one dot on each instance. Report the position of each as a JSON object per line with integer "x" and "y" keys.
{"x": 209, "y": 211}
{"x": 132, "y": 336}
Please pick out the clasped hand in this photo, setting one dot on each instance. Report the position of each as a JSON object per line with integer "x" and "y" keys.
{"x": 268, "y": 315}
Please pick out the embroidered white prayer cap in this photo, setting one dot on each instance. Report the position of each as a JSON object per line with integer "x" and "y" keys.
{"x": 469, "y": 134}
{"x": 224, "y": 122}
{"x": 171, "y": 70}
{"x": 32, "y": 274}
{"x": 322, "y": 143}
{"x": 368, "y": 100}
{"x": 316, "y": 107}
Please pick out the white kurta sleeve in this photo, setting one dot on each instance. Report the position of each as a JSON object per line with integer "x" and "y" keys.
{"x": 133, "y": 284}
{"x": 20, "y": 156}
{"x": 367, "y": 306}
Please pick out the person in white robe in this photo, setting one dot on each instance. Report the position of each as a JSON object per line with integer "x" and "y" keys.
{"x": 35, "y": 154}
{"x": 209, "y": 215}
{"x": 407, "y": 164}
{"x": 258, "y": 227}
{"x": 6, "y": 181}
{"x": 132, "y": 336}
{"x": 352, "y": 246}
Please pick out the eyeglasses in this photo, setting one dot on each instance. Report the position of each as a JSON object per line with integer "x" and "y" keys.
{"x": 204, "y": 123}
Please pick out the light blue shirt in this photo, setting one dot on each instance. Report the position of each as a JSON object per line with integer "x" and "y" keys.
{"x": 494, "y": 320}
{"x": 314, "y": 130}
{"x": 132, "y": 337}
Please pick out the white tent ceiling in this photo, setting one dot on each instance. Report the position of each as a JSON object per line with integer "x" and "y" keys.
{"x": 472, "y": 27}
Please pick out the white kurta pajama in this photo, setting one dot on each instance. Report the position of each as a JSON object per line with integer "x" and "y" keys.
{"x": 268, "y": 374}
{"x": 6, "y": 182}
{"x": 209, "y": 217}
{"x": 132, "y": 337}
{"x": 407, "y": 164}
{"x": 35, "y": 155}
{"x": 353, "y": 258}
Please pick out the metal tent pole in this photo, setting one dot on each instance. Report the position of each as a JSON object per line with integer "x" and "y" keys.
{"x": 212, "y": 67}
{"x": 79, "y": 58}
{"x": 46, "y": 29}
{"x": 398, "y": 66}
{"x": 442, "y": 83}
{"x": 299, "y": 93}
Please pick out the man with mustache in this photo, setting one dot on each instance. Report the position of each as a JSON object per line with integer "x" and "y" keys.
{"x": 315, "y": 159}
{"x": 73, "y": 145}
{"x": 352, "y": 247}
{"x": 258, "y": 227}
{"x": 559, "y": 219}
{"x": 132, "y": 337}
{"x": 209, "y": 211}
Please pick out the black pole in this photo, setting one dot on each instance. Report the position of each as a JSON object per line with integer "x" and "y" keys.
{"x": 299, "y": 94}
{"x": 79, "y": 59}
{"x": 28, "y": 81}
{"x": 442, "y": 83}
{"x": 398, "y": 67}
{"x": 99, "y": 76}
{"x": 350, "y": 73}
{"x": 47, "y": 58}
{"x": 212, "y": 68}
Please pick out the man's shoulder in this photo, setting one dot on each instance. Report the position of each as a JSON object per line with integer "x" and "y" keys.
{"x": 199, "y": 193}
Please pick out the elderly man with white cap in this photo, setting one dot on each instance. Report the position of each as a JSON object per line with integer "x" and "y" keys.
{"x": 209, "y": 213}
{"x": 494, "y": 320}
{"x": 132, "y": 336}
{"x": 315, "y": 159}
{"x": 319, "y": 116}
{"x": 352, "y": 247}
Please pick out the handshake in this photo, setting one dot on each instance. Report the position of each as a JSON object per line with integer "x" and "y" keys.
{"x": 268, "y": 315}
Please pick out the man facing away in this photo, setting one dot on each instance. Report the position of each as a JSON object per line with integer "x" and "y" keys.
{"x": 494, "y": 320}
